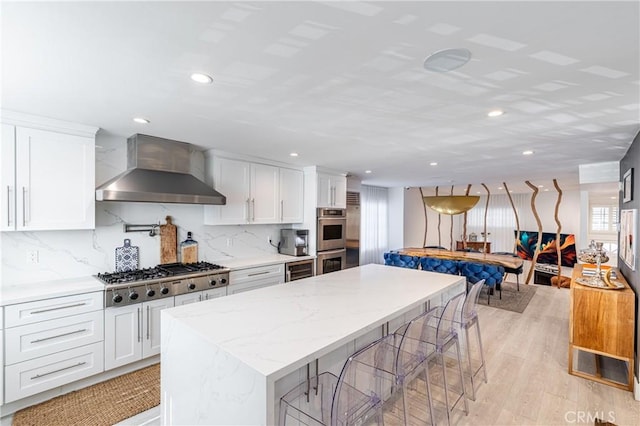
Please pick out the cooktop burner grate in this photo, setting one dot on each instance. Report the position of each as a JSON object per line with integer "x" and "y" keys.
{"x": 157, "y": 272}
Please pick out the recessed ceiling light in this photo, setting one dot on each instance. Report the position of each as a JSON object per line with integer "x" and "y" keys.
{"x": 495, "y": 113}
{"x": 499, "y": 187}
{"x": 527, "y": 152}
{"x": 201, "y": 78}
{"x": 293, "y": 154}
{"x": 367, "y": 171}
{"x": 141, "y": 120}
{"x": 540, "y": 186}
{"x": 447, "y": 60}
{"x": 546, "y": 189}
{"x": 433, "y": 163}
{"x": 477, "y": 192}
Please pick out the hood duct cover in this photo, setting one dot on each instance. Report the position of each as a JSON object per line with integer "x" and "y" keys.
{"x": 158, "y": 171}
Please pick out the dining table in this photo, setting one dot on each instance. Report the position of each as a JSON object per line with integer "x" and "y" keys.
{"x": 503, "y": 260}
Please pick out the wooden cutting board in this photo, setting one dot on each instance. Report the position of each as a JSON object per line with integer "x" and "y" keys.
{"x": 168, "y": 242}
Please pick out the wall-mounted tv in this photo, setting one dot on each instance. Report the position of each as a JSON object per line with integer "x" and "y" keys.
{"x": 548, "y": 254}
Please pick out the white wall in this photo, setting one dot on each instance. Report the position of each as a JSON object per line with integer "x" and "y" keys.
{"x": 414, "y": 223}
{"x": 396, "y": 218}
{"x": 67, "y": 254}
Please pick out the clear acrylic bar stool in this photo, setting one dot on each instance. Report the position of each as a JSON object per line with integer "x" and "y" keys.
{"x": 355, "y": 397}
{"x": 411, "y": 360}
{"x": 469, "y": 318}
{"x": 440, "y": 331}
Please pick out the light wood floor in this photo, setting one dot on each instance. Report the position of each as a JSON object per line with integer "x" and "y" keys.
{"x": 528, "y": 383}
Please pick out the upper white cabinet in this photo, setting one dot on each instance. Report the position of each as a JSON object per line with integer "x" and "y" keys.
{"x": 256, "y": 193}
{"x": 332, "y": 190}
{"x": 47, "y": 177}
{"x": 291, "y": 196}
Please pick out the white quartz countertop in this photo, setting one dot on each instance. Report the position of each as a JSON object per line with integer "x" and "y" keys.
{"x": 279, "y": 328}
{"x": 273, "y": 259}
{"x": 19, "y": 293}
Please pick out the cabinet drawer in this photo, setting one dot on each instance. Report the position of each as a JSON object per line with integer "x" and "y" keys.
{"x": 42, "y": 310}
{"x": 36, "y": 340}
{"x": 41, "y": 374}
{"x": 256, "y": 274}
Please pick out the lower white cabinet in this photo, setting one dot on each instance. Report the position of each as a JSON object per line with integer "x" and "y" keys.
{"x": 133, "y": 332}
{"x": 199, "y": 296}
{"x": 253, "y": 278}
{"x": 50, "y": 343}
{"x": 40, "y": 374}
{"x": 43, "y": 338}
{"x": 1, "y": 365}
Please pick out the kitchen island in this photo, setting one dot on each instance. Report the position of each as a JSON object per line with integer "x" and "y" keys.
{"x": 229, "y": 360}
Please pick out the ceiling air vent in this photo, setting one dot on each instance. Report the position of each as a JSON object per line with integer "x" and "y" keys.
{"x": 353, "y": 198}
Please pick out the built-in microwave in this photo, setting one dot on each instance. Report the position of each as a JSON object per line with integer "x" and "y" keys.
{"x": 332, "y": 229}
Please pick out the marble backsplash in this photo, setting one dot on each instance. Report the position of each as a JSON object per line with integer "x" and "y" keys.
{"x": 68, "y": 254}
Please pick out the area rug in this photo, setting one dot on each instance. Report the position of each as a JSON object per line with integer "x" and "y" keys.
{"x": 105, "y": 403}
{"x": 512, "y": 299}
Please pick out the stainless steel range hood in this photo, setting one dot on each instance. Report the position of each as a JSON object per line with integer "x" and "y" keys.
{"x": 158, "y": 171}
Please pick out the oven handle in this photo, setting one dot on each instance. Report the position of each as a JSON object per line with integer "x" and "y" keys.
{"x": 331, "y": 252}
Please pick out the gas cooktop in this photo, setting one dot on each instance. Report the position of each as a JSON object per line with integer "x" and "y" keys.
{"x": 161, "y": 271}
{"x": 173, "y": 279}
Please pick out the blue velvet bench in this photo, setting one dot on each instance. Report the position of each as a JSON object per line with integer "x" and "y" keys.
{"x": 401, "y": 260}
{"x": 491, "y": 274}
{"x": 444, "y": 266}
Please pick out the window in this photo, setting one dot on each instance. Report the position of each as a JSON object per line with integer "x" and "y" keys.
{"x": 603, "y": 219}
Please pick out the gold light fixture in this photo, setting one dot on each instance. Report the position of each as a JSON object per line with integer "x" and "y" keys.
{"x": 451, "y": 204}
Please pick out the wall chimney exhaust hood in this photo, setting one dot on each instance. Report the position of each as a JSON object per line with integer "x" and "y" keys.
{"x": 158, "y": 171}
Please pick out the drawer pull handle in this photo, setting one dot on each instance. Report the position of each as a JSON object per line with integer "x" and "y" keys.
{"x": 37, "y": 376}
{"x": 59, "y": 335}
{"x": 258, "y": 273}
{"x": 58, "y": 308}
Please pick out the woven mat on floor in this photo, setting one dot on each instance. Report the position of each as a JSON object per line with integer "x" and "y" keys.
{"x": 105, "y": 403}
{"x": 512, "y": 299}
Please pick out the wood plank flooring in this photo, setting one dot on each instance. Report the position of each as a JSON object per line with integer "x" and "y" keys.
{"x": 528, "y": 382}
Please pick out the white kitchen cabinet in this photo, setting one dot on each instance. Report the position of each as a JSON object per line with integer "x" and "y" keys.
{"x": 151, "y": 325}
{"x": 256, "y": 193}
{"x": 48, "y": 372}
{"x": 332, "y": 190}
{"x": 122, "y": 335}
{"x": 1, "y": 358}
{"x": 43, "y": 338}
{"x": 200, "y": 296}
{"x": 251, "y": 190}
{"x": 51, "y": 342}
{"x": 132, "y": 332}
{"x": 48, "y": 179}
{"x": 214, "y": 293}
{"x": 188, "y": 298}
{"x": 253, "y": 278}
{"x": 291, "y": 196}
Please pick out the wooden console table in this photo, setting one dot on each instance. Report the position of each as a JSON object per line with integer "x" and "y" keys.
{"x": 476, "y": 245}
{"x": 602, "y": 323}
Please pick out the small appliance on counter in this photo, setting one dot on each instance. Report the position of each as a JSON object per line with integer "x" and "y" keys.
{"x": 189, "y": 250}
{"x": 294, "y": 242}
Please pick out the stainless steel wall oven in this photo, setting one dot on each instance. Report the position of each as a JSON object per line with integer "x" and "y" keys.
{"x": 332, "y": 240}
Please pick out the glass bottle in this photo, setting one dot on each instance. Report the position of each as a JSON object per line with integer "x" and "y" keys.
{"x": 189, "y": 250}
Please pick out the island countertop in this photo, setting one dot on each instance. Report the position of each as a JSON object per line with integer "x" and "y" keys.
{"x": 263, "y": 335}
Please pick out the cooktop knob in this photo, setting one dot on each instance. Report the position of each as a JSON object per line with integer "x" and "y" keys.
{"x": 151, "y": 292}
{"x": 133, "y": 295}
{"x": 213, "y": 282}
{"x": 164, "y": 290}
{"x": 117, "y": 298}
{"x": 223, "y": 280}
{"x": 191, "y": 286}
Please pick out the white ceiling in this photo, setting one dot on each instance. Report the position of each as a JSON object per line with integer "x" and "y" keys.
{"x": 342, "y": 83}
